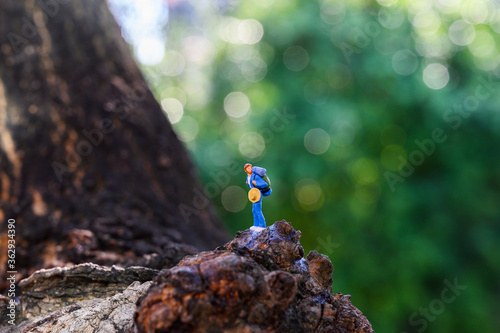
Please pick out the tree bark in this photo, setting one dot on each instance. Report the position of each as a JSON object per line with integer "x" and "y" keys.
{"x": 90, "y": 168}
{"x": 258, "y": 282}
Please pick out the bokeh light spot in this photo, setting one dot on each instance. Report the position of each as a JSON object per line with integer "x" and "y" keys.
{"x": 295, "y": 58}
{"x": 364, "y": 171}
{"x": 142, "y": 23}
{"x": 387, "y": 3}
{"x": 234, "y": 199}
{"x": 391, "y": 18}
{"x": 264, "y": 3}
{"x": 251, "y": 145}
{"x": 250, "y": 31}
{"x": 436, "y": 76}
{"x": 449, "y": 4}
{"x": 404, "y": 62}
{"x": 254, "y": 69}
{"x": 414, "y": 7}
{"x": 488, "y": 62}
{"x": 174, "y": 64}
{"x": 495, "y": 21}
{"x": 236, "y": 104}
{"x": 150, "y": 51}
{"x": 241, "y": 53}
{"x": 175, "y": 92}
{"x": 426, "y": 22}
{"x": 228, "y": 30}
{"x": 461, "y": 33}
{"x": 173, "y": 108}
{"x": 433, "y": 46}
{"x": 235, "y": 31}
{"x": 475, "y": 11}
{"x": 317, "y": 141}
{"x": 343, "y": 133}
{"x": 309, "y": 194}
{"x": 339, "y": 76}
{"x": 187, "y": 129}
{"x": 483, "y": 45}
{"x": 198, "y": 49}
{"x": 332, "y": 11}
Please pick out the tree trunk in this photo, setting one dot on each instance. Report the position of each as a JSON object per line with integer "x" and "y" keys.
{"x": 90, "y": 168}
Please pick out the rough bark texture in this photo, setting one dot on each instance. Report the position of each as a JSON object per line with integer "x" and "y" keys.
{"x": 89, "y": 166}
{"x": 110, "y": 315}
{"x": 82, "y": 298}
{"x": 259, "y": 282}
{"x": 48, "y": 290}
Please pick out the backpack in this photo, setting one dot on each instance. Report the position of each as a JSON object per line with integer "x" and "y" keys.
{"x": 262, "y": 173}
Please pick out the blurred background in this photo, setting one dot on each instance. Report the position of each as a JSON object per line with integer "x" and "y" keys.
{"x": 378, "y": 125}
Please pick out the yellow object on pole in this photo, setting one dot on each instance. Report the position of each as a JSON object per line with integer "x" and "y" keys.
{"x": 254, "y": 195}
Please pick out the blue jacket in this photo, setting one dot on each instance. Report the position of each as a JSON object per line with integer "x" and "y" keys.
{"x": 260, "y": 184}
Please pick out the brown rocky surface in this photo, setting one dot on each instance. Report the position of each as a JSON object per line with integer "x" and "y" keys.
{"x": 258, "y": 282}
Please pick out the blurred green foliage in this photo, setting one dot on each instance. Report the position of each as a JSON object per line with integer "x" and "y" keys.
{"x": 339, "y": 101}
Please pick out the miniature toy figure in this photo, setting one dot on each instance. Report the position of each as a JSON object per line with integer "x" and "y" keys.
{"x": 260, "y": 186}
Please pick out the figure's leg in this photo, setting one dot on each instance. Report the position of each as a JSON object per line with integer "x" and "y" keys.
{"x": 263, "y": 220}
{"x": 256, "y": 211}
{"x": 258, "y": 217}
